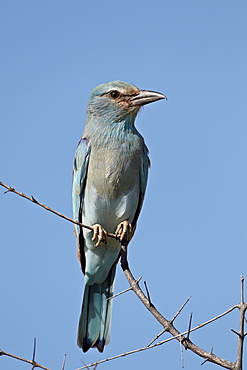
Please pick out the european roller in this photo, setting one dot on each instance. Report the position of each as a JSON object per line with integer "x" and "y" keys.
{"x": 109, "y": 182}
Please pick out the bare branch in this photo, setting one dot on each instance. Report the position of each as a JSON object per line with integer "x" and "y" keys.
{"x": 35, "y": 364}
{"x": 162, "y": 342}
{"x": 125, "y": 354}
{"x": 159, "y": 343}
{"x": 33, "y": 200}
{"x": 168, "y": 326}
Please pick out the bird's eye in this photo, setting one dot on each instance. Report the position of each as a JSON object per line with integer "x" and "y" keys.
{"x": 114, "y": 94}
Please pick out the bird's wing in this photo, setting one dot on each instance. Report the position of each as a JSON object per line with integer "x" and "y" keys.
{"x": 80, "y": 168}
{"x": 143, "y": 183}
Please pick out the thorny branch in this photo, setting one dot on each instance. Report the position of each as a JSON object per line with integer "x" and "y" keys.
{"x": 33, "y": 200}
{"x": 32, "y": 362}
{"x": 163, "y": 341}
{"x": 168, "y": 326}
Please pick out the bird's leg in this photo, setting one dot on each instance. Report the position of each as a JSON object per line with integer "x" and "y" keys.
{"x": 100, "y": 233}
{"x": 124, "y": 231}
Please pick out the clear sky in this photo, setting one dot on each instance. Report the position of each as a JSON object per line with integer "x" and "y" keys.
{"x": 191, "y": 237}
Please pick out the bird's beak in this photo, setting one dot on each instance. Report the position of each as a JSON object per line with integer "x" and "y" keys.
{"x": 145, "y": 97}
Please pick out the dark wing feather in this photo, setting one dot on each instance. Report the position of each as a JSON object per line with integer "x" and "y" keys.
{"x": 80, "y": 168}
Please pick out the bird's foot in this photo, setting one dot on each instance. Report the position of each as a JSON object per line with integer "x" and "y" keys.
{"x": 124, "y": 231}
{"x": 100, "y": 233}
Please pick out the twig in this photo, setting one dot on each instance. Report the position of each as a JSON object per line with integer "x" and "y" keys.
{"x": 125, "y": 354}
{"x": 35, "y": 364}
{"x": 33, "y": 200}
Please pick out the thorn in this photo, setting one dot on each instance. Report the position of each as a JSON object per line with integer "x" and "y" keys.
{"x": 34, "y": 352}
{"x": 64, "y": 360}
{"x": 211, "y": 352}
{"x": 33, "y": 199}
{"x": 181, "y": 308}
{"x": 190, "y": 322}
{"x": 124, "y": 291}
{"x": 84, "y": 364}
{"x": 189, "y": 327}
{"x": 10, "y": 189}
{"x": 242, "y": 288}
{"x": 235, "y": 332}
{"x": 149, "y": 299}
{"x": 34, "y": 349}
{"x": 157, "y": 336}
{"x": 88, "y": 367}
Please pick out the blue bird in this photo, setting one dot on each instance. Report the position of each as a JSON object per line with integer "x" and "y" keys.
{"x": 109, "y": 182}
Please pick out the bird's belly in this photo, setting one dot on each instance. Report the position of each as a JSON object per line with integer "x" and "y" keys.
{"x": 108, "y": 210}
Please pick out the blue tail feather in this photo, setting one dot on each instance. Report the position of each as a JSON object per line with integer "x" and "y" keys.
{"x": 95, "y": 319}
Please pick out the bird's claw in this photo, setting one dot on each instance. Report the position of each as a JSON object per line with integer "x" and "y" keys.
{"x": 124, "y": 231}
{"x": 100, "y": 233}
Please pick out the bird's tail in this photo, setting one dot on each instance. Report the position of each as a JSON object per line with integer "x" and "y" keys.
{"x": 95, "y": 320}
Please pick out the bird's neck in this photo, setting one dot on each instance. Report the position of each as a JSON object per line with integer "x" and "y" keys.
{"x": 103, "y": 131}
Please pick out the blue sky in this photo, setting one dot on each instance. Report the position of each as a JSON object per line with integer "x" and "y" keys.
{"x": 191, "y": 236}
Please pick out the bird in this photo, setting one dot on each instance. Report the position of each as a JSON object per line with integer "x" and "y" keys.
{"x": 109, "y": 181}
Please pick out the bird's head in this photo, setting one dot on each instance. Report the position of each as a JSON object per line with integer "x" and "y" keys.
{"x": 117, "y": 100}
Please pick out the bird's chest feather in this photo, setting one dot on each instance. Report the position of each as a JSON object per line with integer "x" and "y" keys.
{"x": 112, "y": 187}
{"x": 114, "y": 169}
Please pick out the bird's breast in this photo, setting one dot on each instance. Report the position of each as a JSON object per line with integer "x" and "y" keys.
{"x": 113, "y": 183}
{"x": 114, "y": 170}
